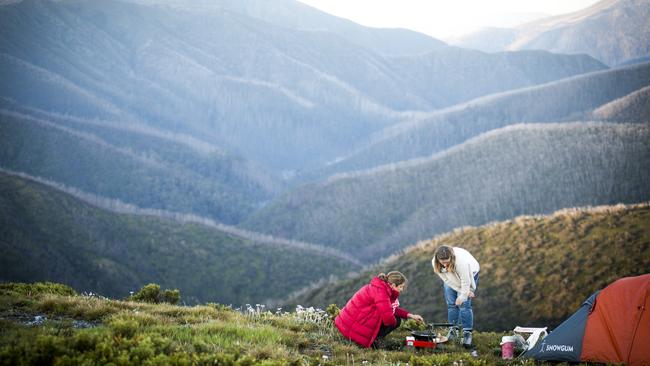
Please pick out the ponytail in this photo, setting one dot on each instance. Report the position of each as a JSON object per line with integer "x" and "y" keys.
{"x": 393, "y": 277}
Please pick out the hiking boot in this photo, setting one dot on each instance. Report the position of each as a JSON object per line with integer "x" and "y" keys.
{"x": 452, "y": 334}
{"x": 467, "y": 338}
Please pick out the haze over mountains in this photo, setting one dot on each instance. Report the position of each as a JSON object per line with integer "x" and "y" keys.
{"x": 286, "y": 98}
{"x": 612, "y": 31}
{"x": 272, "y": 118}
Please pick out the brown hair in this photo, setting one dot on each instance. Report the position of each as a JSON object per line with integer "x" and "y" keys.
{"x": 393, "y": 277}
{"x": 444, "y": 252}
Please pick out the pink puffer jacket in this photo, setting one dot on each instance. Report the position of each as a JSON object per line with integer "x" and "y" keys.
{"x": 361, "y": 318}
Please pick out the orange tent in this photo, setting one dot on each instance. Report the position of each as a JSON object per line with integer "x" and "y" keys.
{"x": 618, "y": 328}
{"x": 611, "y": 326}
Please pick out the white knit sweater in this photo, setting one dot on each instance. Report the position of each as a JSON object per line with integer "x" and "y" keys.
{"x": 462, "y": 279}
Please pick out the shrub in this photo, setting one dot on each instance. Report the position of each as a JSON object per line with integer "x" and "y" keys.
{"x": 124, "y": 327}
{"x": 171, "y": 296}
{"x": 85, "y": 341}
{"x": 151, "y": 293}
{"x": 219, "y": 307}
{"x": 148, "y": 293}
{"x": 333, "y": 310}
{"x": 47, "y": 348}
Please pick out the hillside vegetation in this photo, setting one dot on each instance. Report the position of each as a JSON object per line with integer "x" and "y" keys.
{"x": 48, "y": 235}
{"x": 170, "y": 141}
{"x": 48, "y": 323}
{"x": 570, "y": 99}
{"x": 535, "y": 270}
{"x": 634, "y": 107}
{"x": 522, "y": 169}
{"x": 162, "y": 175}
{"x": 144, "y": 170}
{"x": 453, "y": 75}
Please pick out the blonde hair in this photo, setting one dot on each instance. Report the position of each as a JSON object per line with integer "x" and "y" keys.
{"x": 393, "y": 277}
{"x": 444, "y": 252}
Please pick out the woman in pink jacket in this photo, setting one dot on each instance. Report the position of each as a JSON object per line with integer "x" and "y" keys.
{"x": 374, "y": 310}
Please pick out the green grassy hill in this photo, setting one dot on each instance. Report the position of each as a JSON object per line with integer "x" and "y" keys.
{"x": 535, "y": 270}
{"x": 517, "y": 170}
{"x": 43, "y": 324}
{"x": 47, "y": 235}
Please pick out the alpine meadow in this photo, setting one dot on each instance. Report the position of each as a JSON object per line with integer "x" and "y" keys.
{"x": 211, "y": 181}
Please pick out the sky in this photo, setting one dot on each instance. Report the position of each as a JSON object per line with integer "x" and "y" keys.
{"x": 445, "y": 19}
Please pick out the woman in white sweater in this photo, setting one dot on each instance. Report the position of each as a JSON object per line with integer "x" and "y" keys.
{"x": 458, "y": 269}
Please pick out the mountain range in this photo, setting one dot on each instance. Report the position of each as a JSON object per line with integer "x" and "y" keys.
{"x": 516, "y": 170}
{"x": 284, "y": 97}
{"x": 612, "y": 31}
{"x": 570, "y": 99}
{"x": 183, "y": 142}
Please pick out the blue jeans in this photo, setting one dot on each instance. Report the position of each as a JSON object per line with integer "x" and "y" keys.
{"x": 464, "y": 311}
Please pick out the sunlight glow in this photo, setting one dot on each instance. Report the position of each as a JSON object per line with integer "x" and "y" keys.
{"x": 443, "y": 19}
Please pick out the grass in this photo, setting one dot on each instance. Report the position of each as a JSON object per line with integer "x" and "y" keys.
{"x": 127, "y": 332}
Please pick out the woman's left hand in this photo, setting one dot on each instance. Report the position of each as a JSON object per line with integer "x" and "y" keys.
{"x": 416, "y": 317}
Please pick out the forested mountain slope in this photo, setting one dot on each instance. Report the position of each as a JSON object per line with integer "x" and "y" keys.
{"x": 452, "y": 75}
{"x": 517, "y": 170}
{"x": 53, "y": 236}
{"x": 565, "y": 100}
{"x": 634, "y": 107}
{"x": 141, "y": 167}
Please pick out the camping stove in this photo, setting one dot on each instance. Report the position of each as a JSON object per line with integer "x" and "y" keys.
{"x": 428, "y": 338}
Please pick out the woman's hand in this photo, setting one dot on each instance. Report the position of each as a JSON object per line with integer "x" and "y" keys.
{"x": 470, "y": 295}
{"x": 416, "y": 317}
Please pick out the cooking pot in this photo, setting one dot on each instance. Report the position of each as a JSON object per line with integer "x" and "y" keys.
{"x": 428, "y": 338}
{"x": 425, "y": 335}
